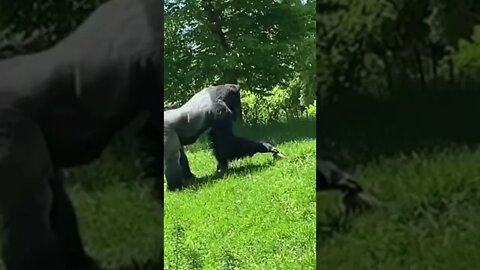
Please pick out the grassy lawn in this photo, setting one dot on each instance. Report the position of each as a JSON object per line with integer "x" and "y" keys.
{"x": 429, "y": 221}
{"x": 423, "y": 162}
{"x": 260, "y": 216}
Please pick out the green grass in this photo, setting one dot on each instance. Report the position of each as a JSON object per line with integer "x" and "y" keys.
{"x": 429, "y": 219}
{"x": 418, "y": 151}
{"x": 119, "y": 221}
{"x": 260, "y": 216}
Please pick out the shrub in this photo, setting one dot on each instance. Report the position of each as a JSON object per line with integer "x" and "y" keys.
{"x": 279, "y": 105}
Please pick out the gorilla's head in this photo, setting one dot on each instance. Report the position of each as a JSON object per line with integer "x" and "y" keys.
{"x": 230, "y": 94}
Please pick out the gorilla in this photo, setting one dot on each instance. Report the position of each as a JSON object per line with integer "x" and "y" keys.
{"x": 330, "y": 177}
{"x": 212, "y": 110}
{"x": 59, "y": 108}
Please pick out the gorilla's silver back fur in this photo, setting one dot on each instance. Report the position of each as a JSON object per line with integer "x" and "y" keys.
{"x": 193, "y": 117}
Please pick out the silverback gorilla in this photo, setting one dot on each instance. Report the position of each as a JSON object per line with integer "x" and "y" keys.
{"x": 330, "y": 177}
{"x": 59, "y": 108}
{"x": 214, "y": 108}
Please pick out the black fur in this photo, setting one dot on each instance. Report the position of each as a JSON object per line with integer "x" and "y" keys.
{"x": 216, "y": 108}
{"x": 227, "y": 146}
{"x": 59, "y": 108}
{"x": 330, "y": 177}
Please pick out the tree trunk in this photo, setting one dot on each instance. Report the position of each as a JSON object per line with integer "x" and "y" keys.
{"x": 388, "y": 70}
{"x": 418, "y": 59}
{"x": 403, "y": 69}
{"x": 434, "y": 56}
{"x": 214, "y": 18}
{"x": 451, "y": 71}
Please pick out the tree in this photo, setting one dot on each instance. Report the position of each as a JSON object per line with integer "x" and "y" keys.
{"x": 259, "y": 43}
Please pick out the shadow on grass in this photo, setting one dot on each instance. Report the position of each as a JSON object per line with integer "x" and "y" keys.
{"x": 200, "y": 182}
{"x": 275, "y": 133}
{"x": 152, "y": 264}
{"x": 334, "y": 222}
{"x": 364, "y": 128}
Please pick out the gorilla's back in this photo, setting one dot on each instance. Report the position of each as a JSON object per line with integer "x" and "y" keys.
{"x": 95, "y": 80}
{"x": 193, "y": 118}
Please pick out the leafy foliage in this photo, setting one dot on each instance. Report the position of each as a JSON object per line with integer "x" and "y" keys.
{"x": 467, "y": 59}
{"x": 379, "y": 46}
{"x": 259, "y": 216}
{"x": 36, "y": 25}
{"x": 261, "y": 44}
{"x": 281, "y": 104}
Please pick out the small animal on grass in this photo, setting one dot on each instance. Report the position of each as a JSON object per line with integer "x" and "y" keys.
{"x": 330, "y": 177}
{"x": 59, "y": 108}
{"x": 212, "y": 110}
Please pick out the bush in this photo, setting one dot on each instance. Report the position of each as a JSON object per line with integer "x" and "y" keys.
{"x": 312, "y": 109}
{"x": 279, "y": 105}
{"x": 467, "y": 57}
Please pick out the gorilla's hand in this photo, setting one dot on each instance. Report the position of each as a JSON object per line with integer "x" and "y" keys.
{"x": 355, "y": 202}
{"x": 222, "y": 111}
{"x": 270, "y": 148}
{"x": 223, "y": 108}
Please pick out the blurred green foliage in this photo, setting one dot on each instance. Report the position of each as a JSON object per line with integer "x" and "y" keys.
{"x": 376, "y": 47}
{"x": 266, "y": 46}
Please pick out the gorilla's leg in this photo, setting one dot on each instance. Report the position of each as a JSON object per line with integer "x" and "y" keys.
{"x": 187, "y": 173}
{"x": 28, "y": 240}
{"x": 172, "y": 156}
{"x": 227, "y": 147}
{"x": 25, "y": 195}
{"x": 64, "y": 223}
{"x": 173, "y": 171}
{"x": 150, "y": 151}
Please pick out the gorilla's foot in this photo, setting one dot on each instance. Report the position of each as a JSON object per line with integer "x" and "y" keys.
{"x": 176, "y": 186}
{"x": 190, "y": 179}
{"x": 222, "y": 168}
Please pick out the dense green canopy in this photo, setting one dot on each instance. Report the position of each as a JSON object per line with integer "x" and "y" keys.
{"x": 379, "y": 45}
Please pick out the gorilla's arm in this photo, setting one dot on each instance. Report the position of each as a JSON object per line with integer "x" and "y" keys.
{"x": 182, "y": 126}
{"x": 150, "y": 160}
{"x": 330, "y": 177}
{"x": 227, "y": 146}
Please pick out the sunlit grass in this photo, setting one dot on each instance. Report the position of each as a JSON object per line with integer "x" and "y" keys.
{"x": 260, "y": 216}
